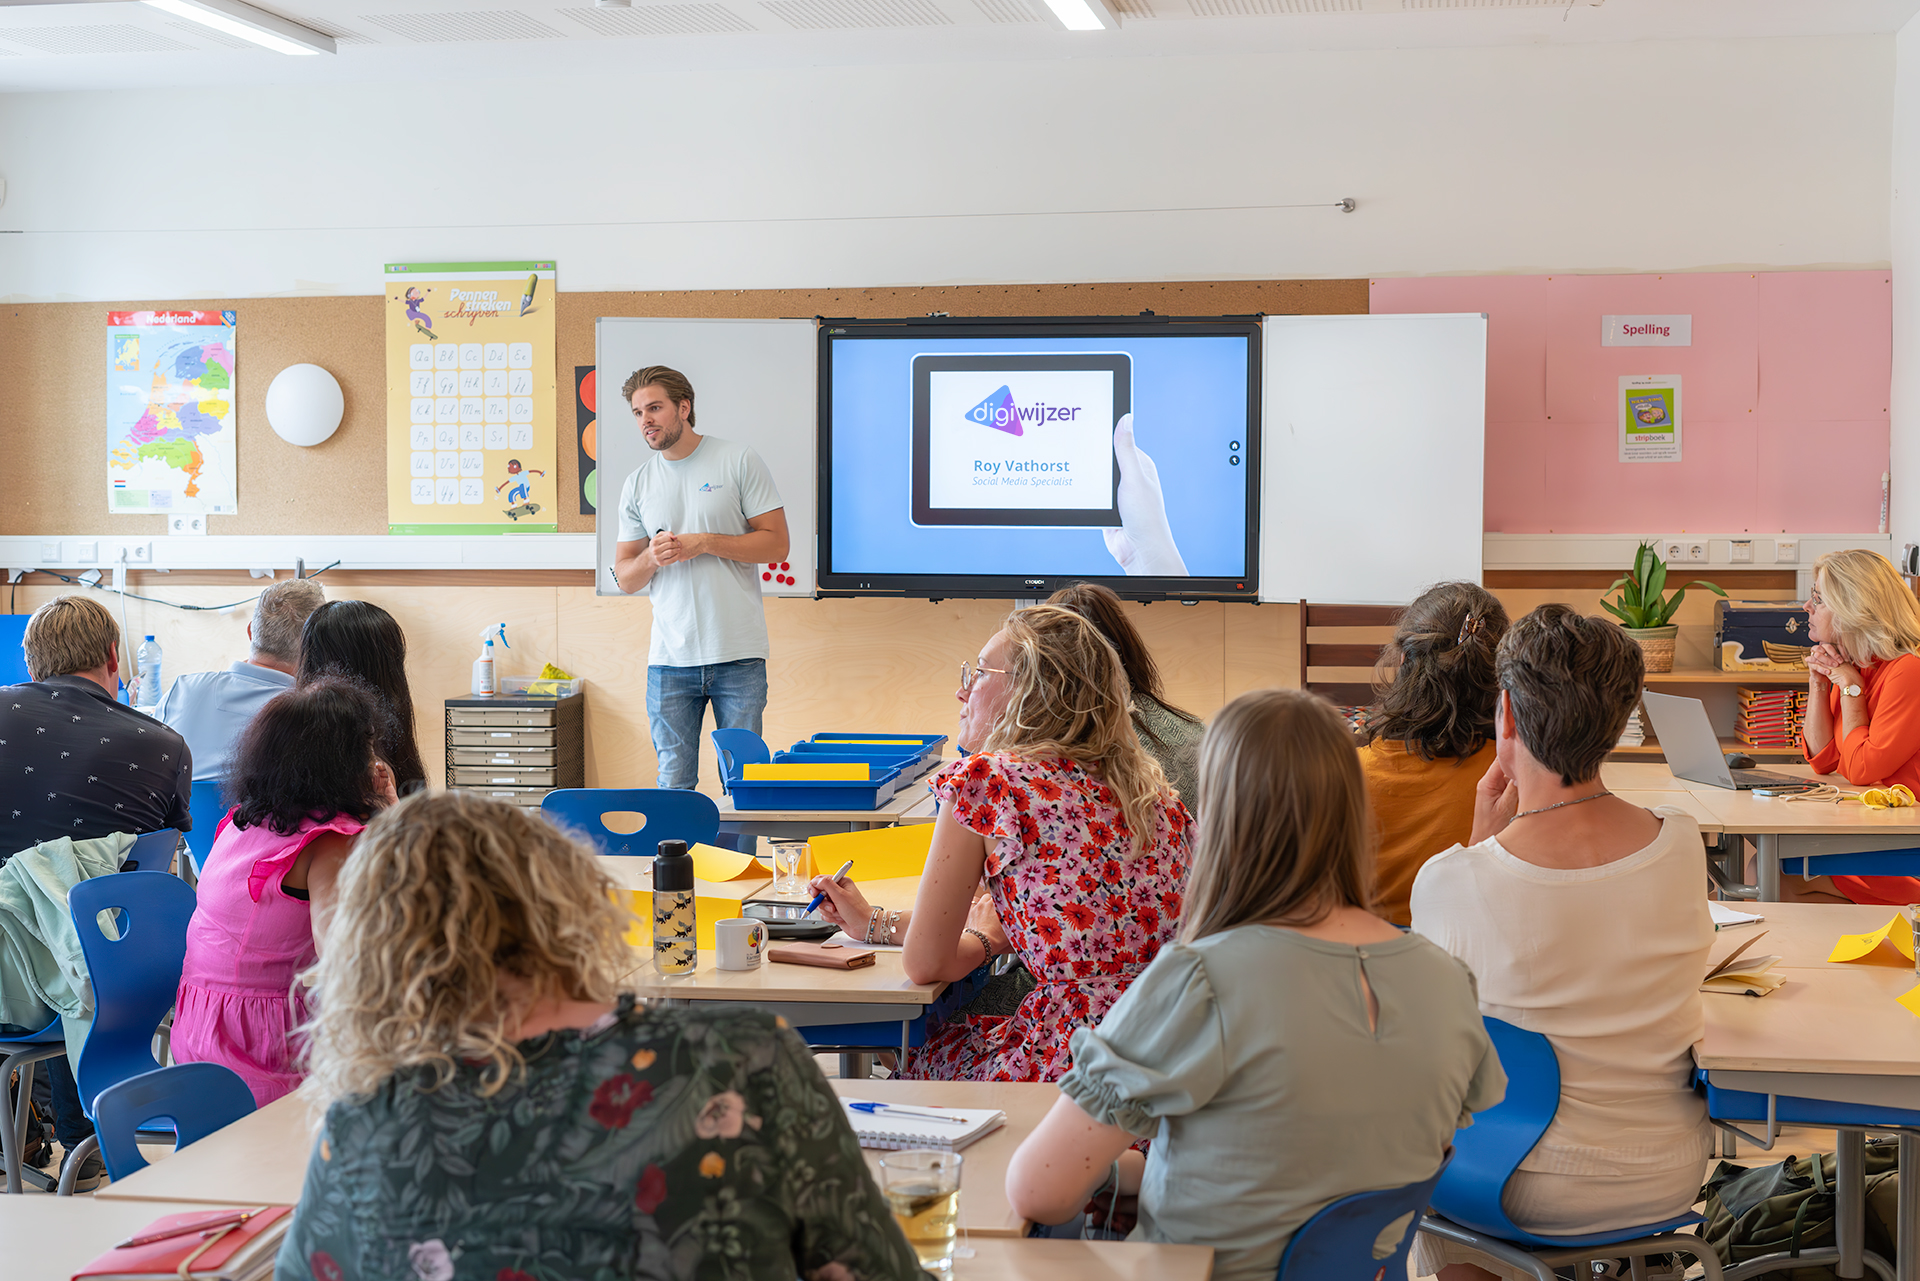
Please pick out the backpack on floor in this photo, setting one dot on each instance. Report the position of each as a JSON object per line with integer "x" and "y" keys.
{"x": 1789, "y": 1207}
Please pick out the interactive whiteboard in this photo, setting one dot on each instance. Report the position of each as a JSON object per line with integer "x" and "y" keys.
{"x": 1374, "y": 461}
{"x": 753, "y": 382}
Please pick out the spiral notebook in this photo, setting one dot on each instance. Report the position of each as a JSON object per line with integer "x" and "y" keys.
{"x": 893, "y": 1131}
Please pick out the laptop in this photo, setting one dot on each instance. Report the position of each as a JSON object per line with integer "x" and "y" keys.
{"x": 1693, "y": 751}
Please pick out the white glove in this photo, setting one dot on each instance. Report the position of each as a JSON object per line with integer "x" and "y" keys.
{"x": 1144, "y": 542}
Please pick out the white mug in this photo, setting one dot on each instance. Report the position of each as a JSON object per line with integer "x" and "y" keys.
{"x": 739, "y": 943}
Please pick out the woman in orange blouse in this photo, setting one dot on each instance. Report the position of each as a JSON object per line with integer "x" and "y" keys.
{"x": 1430, "y": 737}
{"x": 1863, "y": 692}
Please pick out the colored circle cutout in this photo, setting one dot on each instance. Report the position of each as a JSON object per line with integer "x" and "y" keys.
{"x": 589, "y": 390}
{"x": 590, "y": 439}
{"x": 592, "y": 487}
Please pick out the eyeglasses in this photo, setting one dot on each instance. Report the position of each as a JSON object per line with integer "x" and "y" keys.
{"x": 1815, "y": 600}
{"x": 970, "y": 672}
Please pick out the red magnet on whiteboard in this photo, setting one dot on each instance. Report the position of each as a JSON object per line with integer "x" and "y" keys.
{"x": 766, "y": 578}
{"x": 784, "y": 565}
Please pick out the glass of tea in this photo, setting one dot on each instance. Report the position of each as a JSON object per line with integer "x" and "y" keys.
{"x": 923, "y": 1190}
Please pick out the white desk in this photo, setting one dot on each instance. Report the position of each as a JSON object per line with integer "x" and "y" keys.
{"x": 49, "y": 1238}
{"x": 1006, "y": 1259}
{"x": 1831, "y": 1032}
{"x": 1778, "y": 827}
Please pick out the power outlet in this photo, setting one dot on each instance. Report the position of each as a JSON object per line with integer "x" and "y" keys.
{"x": 1786, "y": 551}
{"x": 1740, "y": 551}
{"x": 136, "y": 553}
{"x": 1697, "y": 550}
{"x": 1673, "y": 549}
{"x": 49, "y": 553}
{"x": 195, "y": 524}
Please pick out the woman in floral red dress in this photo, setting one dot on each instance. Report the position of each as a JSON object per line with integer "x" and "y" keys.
{"x": 1083, "y": 846}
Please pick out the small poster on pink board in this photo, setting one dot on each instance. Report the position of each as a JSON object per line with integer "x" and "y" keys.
{"x": 1649, "y": 418}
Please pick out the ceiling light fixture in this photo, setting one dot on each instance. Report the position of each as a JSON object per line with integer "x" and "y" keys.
{"x": 1082, "y": 15}
{"x": 235, "y": 18}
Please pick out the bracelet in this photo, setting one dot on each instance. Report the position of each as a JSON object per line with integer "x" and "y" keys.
{"x": 873, "y": 919}
{"x": 983, "y": 940}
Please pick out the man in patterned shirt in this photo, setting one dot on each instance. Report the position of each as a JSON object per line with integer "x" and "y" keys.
{"x": 73, "y": 762}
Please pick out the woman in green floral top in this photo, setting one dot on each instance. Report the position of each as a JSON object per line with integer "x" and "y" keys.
{"x": 494, "y": 1113}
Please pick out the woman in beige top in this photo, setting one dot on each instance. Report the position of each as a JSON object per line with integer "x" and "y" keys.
{"x": 1584, "y": 918}
{"x": 1292, "y": 1048}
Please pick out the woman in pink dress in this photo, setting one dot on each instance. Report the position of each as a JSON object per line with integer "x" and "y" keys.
{"x": 305, "y": 780}
{"x": 1083, "y": 846}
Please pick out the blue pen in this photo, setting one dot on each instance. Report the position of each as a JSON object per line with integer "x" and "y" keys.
{"x": 871, "y": 1108}
{"x": 838, "y": 877}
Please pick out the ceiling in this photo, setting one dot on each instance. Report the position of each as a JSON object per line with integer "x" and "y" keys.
{"x": 70, "y": 46}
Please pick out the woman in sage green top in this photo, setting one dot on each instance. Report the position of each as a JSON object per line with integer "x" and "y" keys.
{"x": 1170, "y": 734}
{"x": 1292, "y": 1048}
{"x": 495, "y": 1113}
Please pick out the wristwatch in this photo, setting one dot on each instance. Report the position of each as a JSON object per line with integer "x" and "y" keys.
{"x": 1849, "y": 691}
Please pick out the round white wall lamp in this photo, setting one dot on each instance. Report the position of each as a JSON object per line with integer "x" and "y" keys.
{"x": 304, "y": 404}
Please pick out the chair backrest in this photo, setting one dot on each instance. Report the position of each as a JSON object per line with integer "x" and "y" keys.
{"x": 208, "y": 805}
{"x": 195, "y": 1098}
{"x": 153, "y": 851}
{"x": 671, "y": 814}
{"x": 1486, "y": 1153}
{"x": 737, "y": 748}
{"x": 1341, "y": 670}
{"x": 134, "y": 976}
{"x": 1339, "y": 1241}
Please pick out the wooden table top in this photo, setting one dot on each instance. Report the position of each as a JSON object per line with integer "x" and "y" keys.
{"x": 1830, "y": 1018}
{"x": 69, "y": 1232}
{"x": 1007, "y": 1259}
{"x": 911, "y": 796}
{"x": 885, "y": 982}
{"x": 1744, "y": 813}
{"x": 261, "y": 1159}
{"x": 983, "y": 1172}
{"x": 1687, "y": 802}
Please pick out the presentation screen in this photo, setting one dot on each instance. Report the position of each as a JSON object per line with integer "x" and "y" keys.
{"x": 1013, "y": 457}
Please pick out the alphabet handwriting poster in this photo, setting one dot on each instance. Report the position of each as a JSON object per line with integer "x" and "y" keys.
{"x": 471, "y": 398}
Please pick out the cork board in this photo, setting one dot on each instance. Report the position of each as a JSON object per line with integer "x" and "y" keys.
{"x": 52, "y": 363}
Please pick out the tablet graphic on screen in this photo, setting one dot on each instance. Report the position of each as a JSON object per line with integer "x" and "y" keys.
{"x": 1004, "y": 439}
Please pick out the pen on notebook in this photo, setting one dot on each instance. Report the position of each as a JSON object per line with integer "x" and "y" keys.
{"x": 871, "y": 1108}
{"x": 183, "y": 1229}
{"x": 838, "y": 877}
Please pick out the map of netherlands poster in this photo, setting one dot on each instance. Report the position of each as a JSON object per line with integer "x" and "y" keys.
{"x": 170, "y": 421}
{"x": 472, "y": 437}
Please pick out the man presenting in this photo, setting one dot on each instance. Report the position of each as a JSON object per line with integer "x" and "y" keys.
{"x": 695, "y": 521}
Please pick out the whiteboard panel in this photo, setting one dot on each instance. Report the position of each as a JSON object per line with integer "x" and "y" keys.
{"x": 753, "y": 381}
{"x": 1374, "y": 456}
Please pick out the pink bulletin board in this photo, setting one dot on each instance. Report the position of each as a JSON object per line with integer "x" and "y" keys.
{"x": 1788, "y": 371}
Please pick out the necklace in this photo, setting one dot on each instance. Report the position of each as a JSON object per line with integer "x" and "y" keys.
{"x": 1575, "y": 801}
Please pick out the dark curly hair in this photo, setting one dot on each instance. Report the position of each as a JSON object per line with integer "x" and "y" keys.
{"x": 308, "y": 755}
{"x": 1441, "y": 701}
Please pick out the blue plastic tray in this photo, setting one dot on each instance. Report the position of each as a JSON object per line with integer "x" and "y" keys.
{"x": 930, "y": 744}
{"x": 814, "y": 794}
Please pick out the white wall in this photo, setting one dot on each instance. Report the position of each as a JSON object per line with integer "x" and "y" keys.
{"x": 1903, "y": 522}
{"x": 1621, "y": 157}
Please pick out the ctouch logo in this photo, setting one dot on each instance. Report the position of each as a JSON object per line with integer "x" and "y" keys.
{"x": 998, "y": 412}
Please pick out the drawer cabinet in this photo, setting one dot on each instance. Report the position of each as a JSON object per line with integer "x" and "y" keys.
{"x": 516, "y": 750}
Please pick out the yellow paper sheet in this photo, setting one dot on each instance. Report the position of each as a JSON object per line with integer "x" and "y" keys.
{"x": 1898, "y": 931}
{"x": 1912, "y": 1001}
{"x": 706, "y": 912}
{"x": 823, "y": 771}
{"x": 878, "y": 854}
{"x": 711, "y": 863}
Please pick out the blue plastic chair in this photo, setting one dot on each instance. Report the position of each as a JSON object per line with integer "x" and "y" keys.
{"x": 193, "y": 1099}
{"x": 22, "y": 1052}
{"x": 134, "y": 979}
{"x": 1337, "y": 1244}
{"x": 671, "y": 814}
{"x": 152, "y": 851}
{"x": 1466, "y": 1201}
{"x": 736, "y": 748}
{"x": 1862, "y": 863}
{"x": 208, "y": 805}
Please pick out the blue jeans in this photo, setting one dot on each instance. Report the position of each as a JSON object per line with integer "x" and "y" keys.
{"x": 677, "y": 699}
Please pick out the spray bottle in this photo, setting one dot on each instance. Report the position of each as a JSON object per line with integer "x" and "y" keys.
{"x": 483, "y": 684}
{"x": 674, "y": 930}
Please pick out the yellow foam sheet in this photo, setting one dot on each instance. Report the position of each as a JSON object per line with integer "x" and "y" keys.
{"x": 1898, "y": 931}
{"x": 706, "y": 912}
{"x": 824, "y": 771}
{"x": 1912, "y": 1001}
{"x": 711, "y": 863}
{"x": 878, "y": 854}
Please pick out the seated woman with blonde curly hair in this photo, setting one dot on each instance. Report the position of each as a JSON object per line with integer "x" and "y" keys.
{"x": 495, "y": 1110}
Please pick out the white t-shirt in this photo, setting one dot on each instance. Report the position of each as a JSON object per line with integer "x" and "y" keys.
{"x": 1606, "y": 962}
{"x": 705, "y": 610}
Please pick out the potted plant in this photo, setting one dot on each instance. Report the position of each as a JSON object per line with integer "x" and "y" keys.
{"x": 1643, "y": 611}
